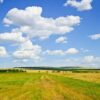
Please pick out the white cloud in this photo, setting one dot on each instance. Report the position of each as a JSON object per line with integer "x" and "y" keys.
{"x": 3, "y": 51}
{"x": 80, "y": 5}
{"x": 1, "y": 1}
{"x": 84, "y": 50}
{"x": 20, "y": 60}
{"x": 72, "y": 51}
{"x": 95, "y": 36}
{"x": 88, "y": 59}
{"x": 91, "y": 61}
{"x": 62, "y": 52}
{"x": 55, "y": 52}
{"x": 34, "y": 25}
{"x": 91, "y": 58}
{"x": 13, "y": 36}
{"x": 27, "y": 50}
{"x": 61, "y": 40}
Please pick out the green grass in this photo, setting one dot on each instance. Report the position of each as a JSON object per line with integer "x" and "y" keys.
{"x": 43, "y": 86}
{"x": 88, "y": 88}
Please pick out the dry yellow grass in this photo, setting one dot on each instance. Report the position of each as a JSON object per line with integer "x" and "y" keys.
{"x": 44, "y": 86}
{"x": 91, "y": 77}
{"x": 39, "y": 71}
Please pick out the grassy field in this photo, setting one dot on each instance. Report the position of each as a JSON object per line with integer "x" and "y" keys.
{"x": 45, "y": 86}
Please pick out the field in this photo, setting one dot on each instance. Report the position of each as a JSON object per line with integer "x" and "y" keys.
{"x": 49, "y": 86}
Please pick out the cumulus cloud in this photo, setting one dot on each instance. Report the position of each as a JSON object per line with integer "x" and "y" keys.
{"x": 91, "y": 58}
{"x": 88, "y": 59}
{"x": 91, "y": 61}
{"x": 34, "y": 25}
{"x": 61, "y": 39}
{"x": 80, "y": 5}
{"x": 13, "y": 36}
{"x": 55, "y": 52}
{"x": 95, "y": 36}
{"x": 72, "y": 51}
{"x": 62, "y": 52}
{"x": 27, "y": 50}
{"x": 3, "y": 51}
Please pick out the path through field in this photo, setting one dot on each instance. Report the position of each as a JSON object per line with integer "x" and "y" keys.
{"x": 43, "y": 86}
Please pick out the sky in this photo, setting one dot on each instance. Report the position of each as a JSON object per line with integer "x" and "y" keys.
{"x": 50, "y": 33}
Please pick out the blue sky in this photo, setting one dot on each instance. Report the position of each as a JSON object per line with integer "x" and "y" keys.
{"x": 49, "y": 33}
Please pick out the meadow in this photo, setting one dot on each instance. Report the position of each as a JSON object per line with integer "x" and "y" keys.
{"x": 49, "y": 86}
